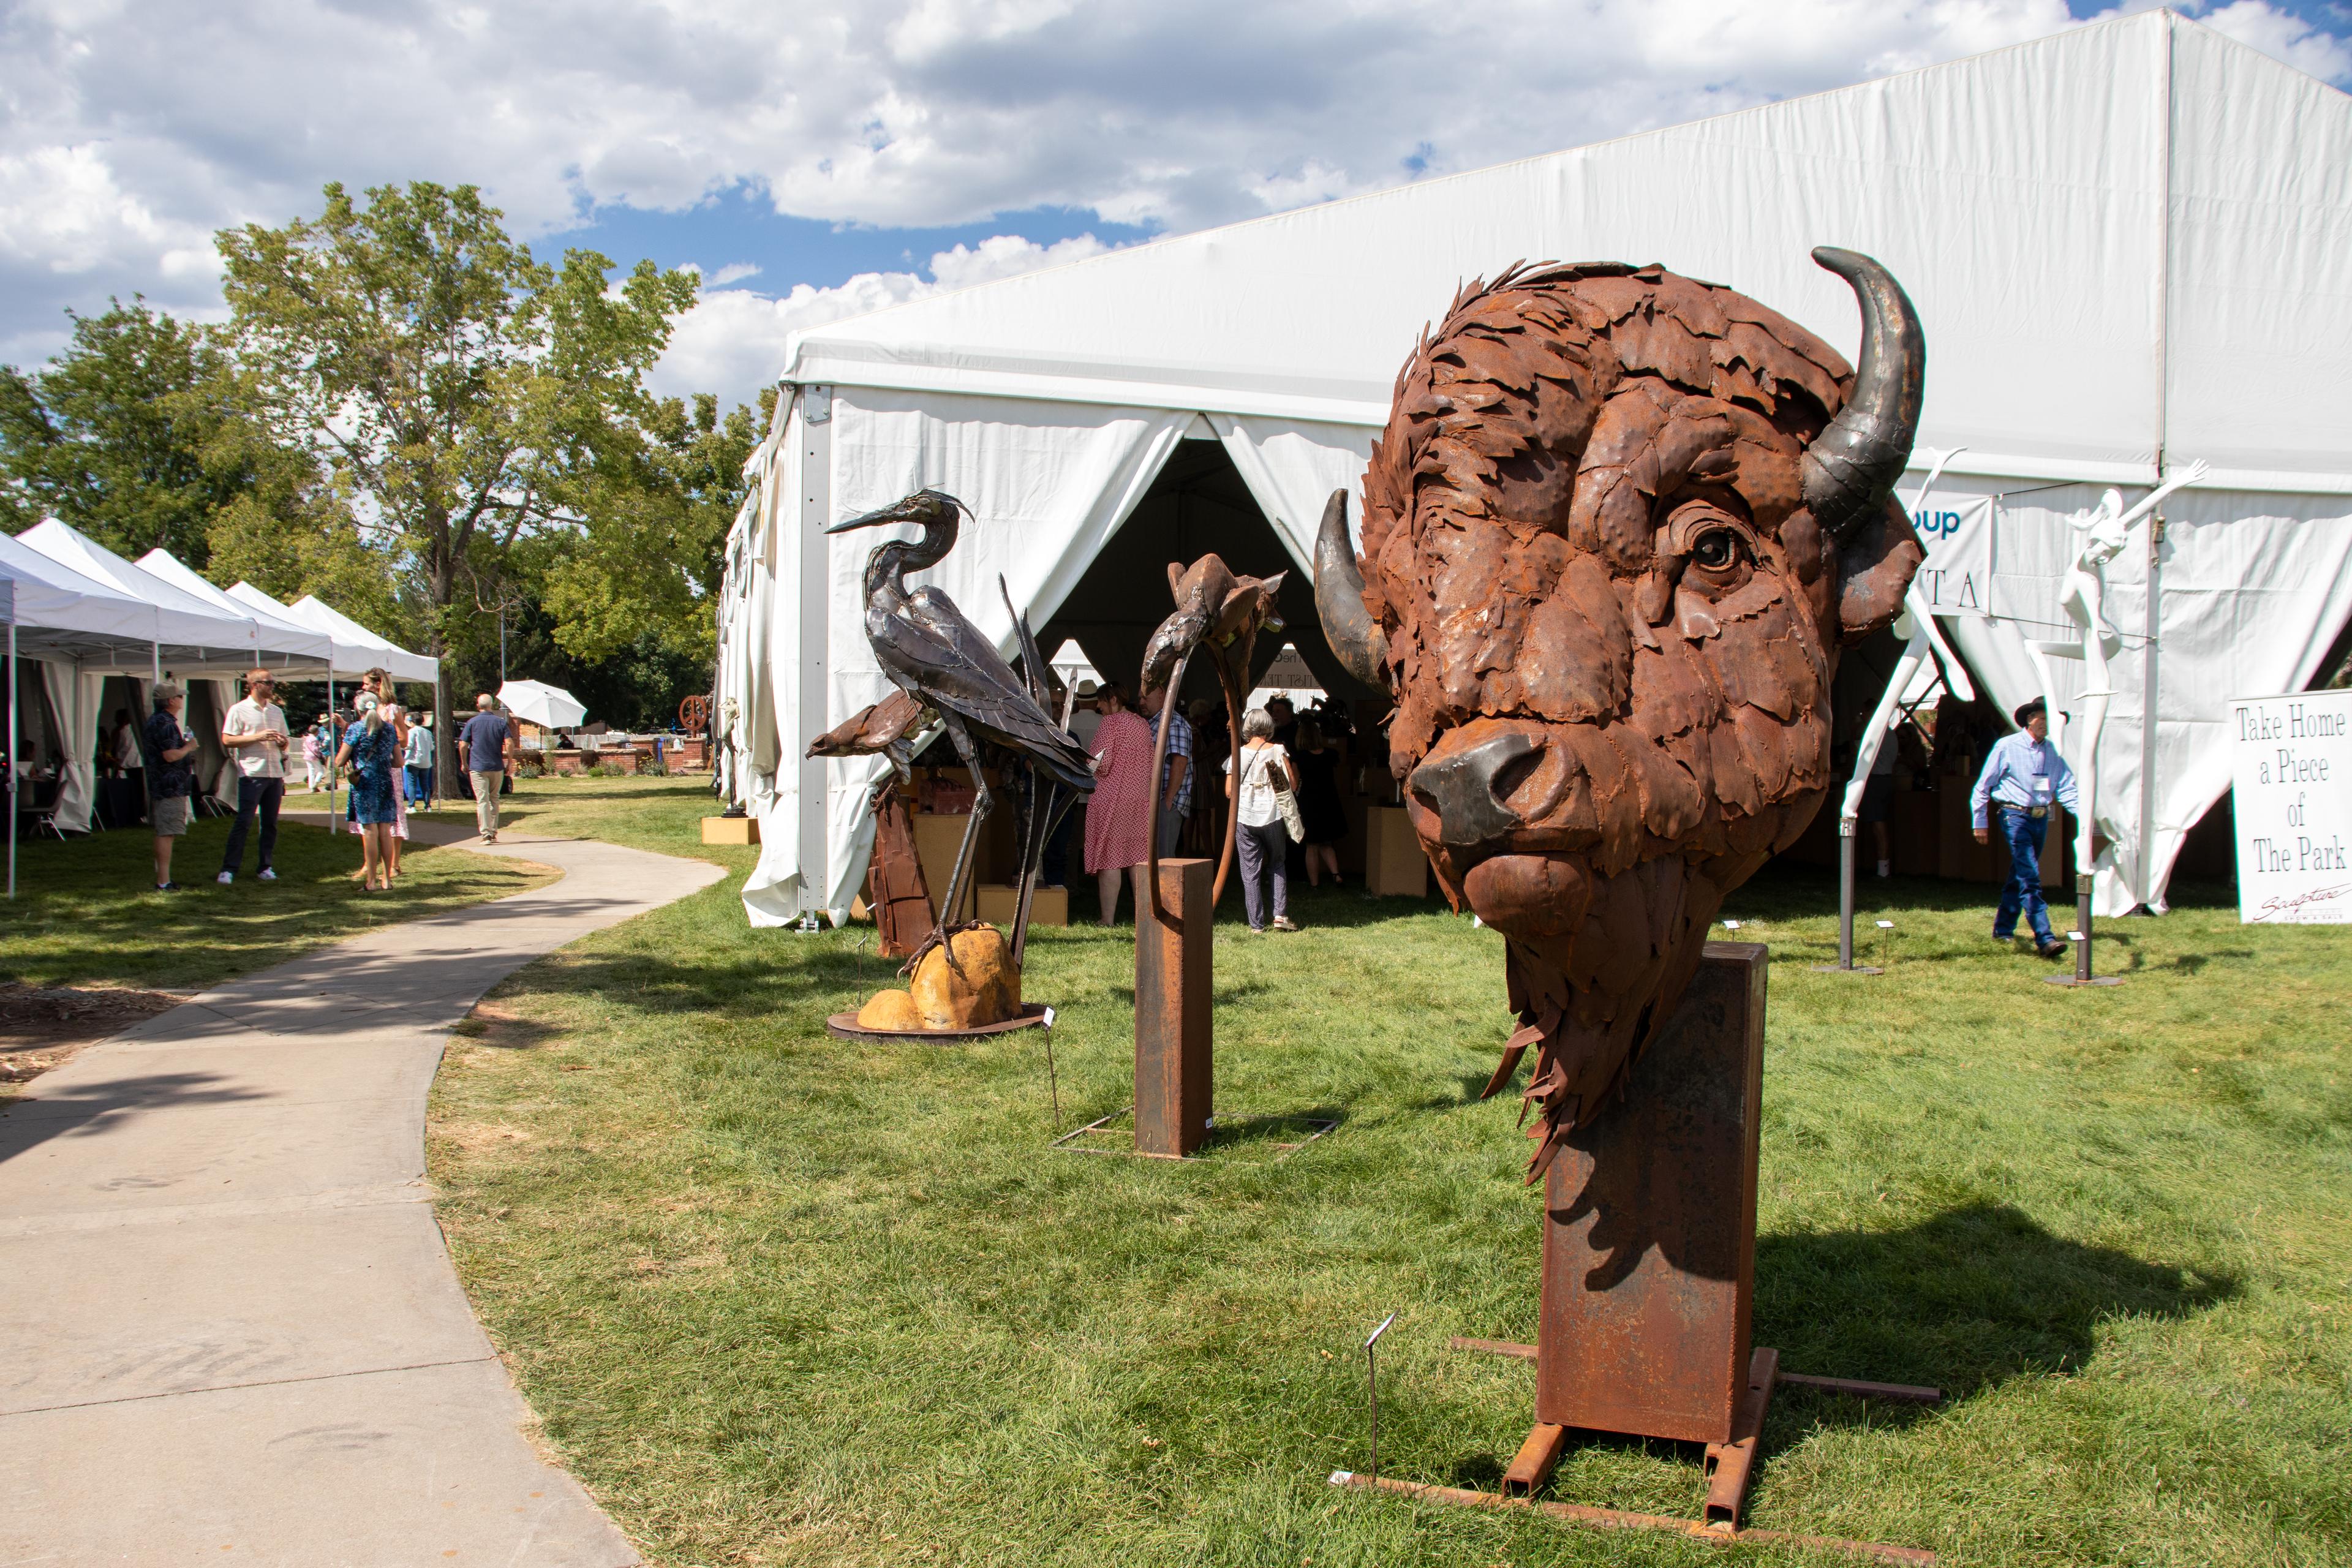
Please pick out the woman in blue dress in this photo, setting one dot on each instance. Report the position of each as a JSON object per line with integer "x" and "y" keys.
{"x": 371, "y": 751}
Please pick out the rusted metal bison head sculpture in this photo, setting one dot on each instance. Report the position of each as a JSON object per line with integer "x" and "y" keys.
{"x": 1615, "y": 535}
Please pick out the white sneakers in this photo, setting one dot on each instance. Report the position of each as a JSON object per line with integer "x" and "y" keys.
{"x": 267, "y": 875}
{"x": 226, "y": 877}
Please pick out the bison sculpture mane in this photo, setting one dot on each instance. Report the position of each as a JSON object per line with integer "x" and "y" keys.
{"x": 1618, "y": 527}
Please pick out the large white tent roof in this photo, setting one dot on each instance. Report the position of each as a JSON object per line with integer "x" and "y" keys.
{"x": 195, "y": 634}
{"x": 356, "y": 650}
{"x": 2124, "y": 240}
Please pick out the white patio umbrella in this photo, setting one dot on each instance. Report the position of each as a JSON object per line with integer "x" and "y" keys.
{"x": 542, "y": 704}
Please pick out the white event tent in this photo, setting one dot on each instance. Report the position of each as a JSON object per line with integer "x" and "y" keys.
{"x": 2130, "y": 244}
{"x": 84, "y": 613}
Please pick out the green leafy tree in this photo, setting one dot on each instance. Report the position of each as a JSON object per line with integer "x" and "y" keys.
{"x": 644, "y": 572}
{"x": 464, "y": 396}
{"x": 134, "y": 435}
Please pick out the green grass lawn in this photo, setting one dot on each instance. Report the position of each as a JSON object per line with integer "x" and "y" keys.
{"x": 87, "y": 912}
{"x": 781, "y": 1298}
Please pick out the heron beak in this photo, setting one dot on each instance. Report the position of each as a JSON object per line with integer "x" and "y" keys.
{"x": 890, "y": 513}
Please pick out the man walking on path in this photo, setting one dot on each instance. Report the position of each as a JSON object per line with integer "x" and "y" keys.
{"x": 255, "y": 733}
{"x": 171, "y": 780}
{"x": 2021, "y": 775}
{"x": 489, "y": 741}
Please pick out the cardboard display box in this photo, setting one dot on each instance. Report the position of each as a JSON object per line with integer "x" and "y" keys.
{"x": 1393, "y": 862}
{"x": 1047, "y": 906}
{"x": 731, "y": 830}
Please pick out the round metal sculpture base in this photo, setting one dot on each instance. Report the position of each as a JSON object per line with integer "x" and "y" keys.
{"x": 2069, "y": 980}
{"x": 846, "y": 1025}
{"x": 1842, "y": 969}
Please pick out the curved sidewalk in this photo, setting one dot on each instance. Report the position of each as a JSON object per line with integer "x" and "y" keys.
{"x": 230, "y": 1331}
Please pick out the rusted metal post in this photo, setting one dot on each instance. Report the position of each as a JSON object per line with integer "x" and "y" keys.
{"x": 1649, "y": 1260}
{"x": 1174, "y": 1038}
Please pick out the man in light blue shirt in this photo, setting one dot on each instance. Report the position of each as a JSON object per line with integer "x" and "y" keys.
{"x": 2021, "y": 776}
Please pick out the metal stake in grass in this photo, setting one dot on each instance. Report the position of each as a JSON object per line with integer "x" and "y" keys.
{"x": 1887, "y": 944}
{"x": 1372, "y": 1384}
{"x": 1053, "y": 1083}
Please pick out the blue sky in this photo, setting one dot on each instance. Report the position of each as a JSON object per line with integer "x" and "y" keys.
{"x": 837, "y": 156}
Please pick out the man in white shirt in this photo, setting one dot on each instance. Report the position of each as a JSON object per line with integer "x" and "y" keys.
{"x": 254, "y": 734}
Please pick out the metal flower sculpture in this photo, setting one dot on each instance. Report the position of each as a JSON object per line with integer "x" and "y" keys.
{"x": 1222, "y": 613}
{"x": 1616, "y": 530}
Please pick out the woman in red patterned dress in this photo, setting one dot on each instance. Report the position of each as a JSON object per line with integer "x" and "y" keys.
{"x": 1119, "y": 814}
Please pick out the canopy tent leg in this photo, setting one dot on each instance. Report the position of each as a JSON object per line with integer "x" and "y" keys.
{"x": 12, "y": 768}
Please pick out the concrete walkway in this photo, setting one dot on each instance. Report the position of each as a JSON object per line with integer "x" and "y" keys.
{"x": 229, "y": 1331}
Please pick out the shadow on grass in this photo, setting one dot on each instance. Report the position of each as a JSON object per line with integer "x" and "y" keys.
{"x": 1963, "y": 1301}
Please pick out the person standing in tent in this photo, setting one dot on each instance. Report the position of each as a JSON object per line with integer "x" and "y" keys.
{"x": 488, "y": 740}
{"x": 170, "y": 777}
{"x": 371, "y": 750}
{"x": 254, "y": 734}
{"x": 1118, "y": 813}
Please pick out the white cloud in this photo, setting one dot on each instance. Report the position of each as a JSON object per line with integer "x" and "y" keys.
{"x": 733, "y": 272}
{"x": 732, "y": 342}
{"x": 135, "y": 128}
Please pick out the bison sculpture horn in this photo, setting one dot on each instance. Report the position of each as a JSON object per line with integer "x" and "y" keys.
{"x": 1618, "y": 527}
{"x": 1851, "y": 468}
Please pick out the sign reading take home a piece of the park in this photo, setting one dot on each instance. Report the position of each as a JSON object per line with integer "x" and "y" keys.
{"x": 2293, "y": 802}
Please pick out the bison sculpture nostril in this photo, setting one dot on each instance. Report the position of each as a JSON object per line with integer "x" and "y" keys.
{"x": 1462, "y": 788}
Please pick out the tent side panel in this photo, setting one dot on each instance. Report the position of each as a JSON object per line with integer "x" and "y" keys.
{"x": 2260, "y": 364}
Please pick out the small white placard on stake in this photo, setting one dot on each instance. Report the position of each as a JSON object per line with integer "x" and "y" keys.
{"x": 2292, "y": 799}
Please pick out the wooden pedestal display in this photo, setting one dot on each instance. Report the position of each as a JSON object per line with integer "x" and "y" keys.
{"x": 1175, "y": 1073}
{"x": 1393, "y": 861}
{"x": 1047, "y": 906}
{"x": 731, "y": 830}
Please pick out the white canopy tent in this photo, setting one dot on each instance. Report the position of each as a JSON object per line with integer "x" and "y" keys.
{"x": 62, "y": 618}
{"x": 351, "y": 638}
{"x": 2131, "y": 244}
{"x": 183, "y": 635}
{"x": 308, "y": 653}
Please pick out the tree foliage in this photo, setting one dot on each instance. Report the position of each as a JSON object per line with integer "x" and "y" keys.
{"x": 467, "y": 397}
{"x": 134, "y": 434}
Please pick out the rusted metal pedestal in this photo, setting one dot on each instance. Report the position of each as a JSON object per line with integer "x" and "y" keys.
{"x": 1649, "y": 1272}
{"x": 1175, "y": 1076}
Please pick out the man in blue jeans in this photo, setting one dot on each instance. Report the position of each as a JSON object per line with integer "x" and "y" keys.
{"x": 2021, "y": 776}
{"x": 254, "y": 734}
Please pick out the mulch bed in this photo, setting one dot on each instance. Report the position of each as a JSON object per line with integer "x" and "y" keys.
{"x": 41, "y": 1027}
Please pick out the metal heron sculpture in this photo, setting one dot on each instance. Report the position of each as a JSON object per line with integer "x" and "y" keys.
{"x": 937, "y": 657}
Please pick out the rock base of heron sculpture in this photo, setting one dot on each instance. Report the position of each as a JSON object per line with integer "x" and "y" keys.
{"x": 981, "y": 987}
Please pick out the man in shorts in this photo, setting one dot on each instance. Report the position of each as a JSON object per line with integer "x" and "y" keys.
{"x": 170, "y": 777}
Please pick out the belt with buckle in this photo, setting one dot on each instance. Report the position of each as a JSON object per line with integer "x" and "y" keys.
{"x": 2032, "y": 811}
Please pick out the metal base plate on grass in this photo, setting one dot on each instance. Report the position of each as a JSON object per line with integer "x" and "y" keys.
{"x": 1226, "y": 1133}
{"x": 2068, "y": 980}
{"x": 846, "y": 1025}
{"x": 1841, "y": 969}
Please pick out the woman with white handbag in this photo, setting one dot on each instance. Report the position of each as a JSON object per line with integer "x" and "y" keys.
{"x": 1261, "y": 781}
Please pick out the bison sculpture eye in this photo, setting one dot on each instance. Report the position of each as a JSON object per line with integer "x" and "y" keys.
{"x": 1617, "y": 529}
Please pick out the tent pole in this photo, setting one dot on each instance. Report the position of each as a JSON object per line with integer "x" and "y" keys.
{"x": 12, "y": 768}
{"x": 334, "y": 731}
